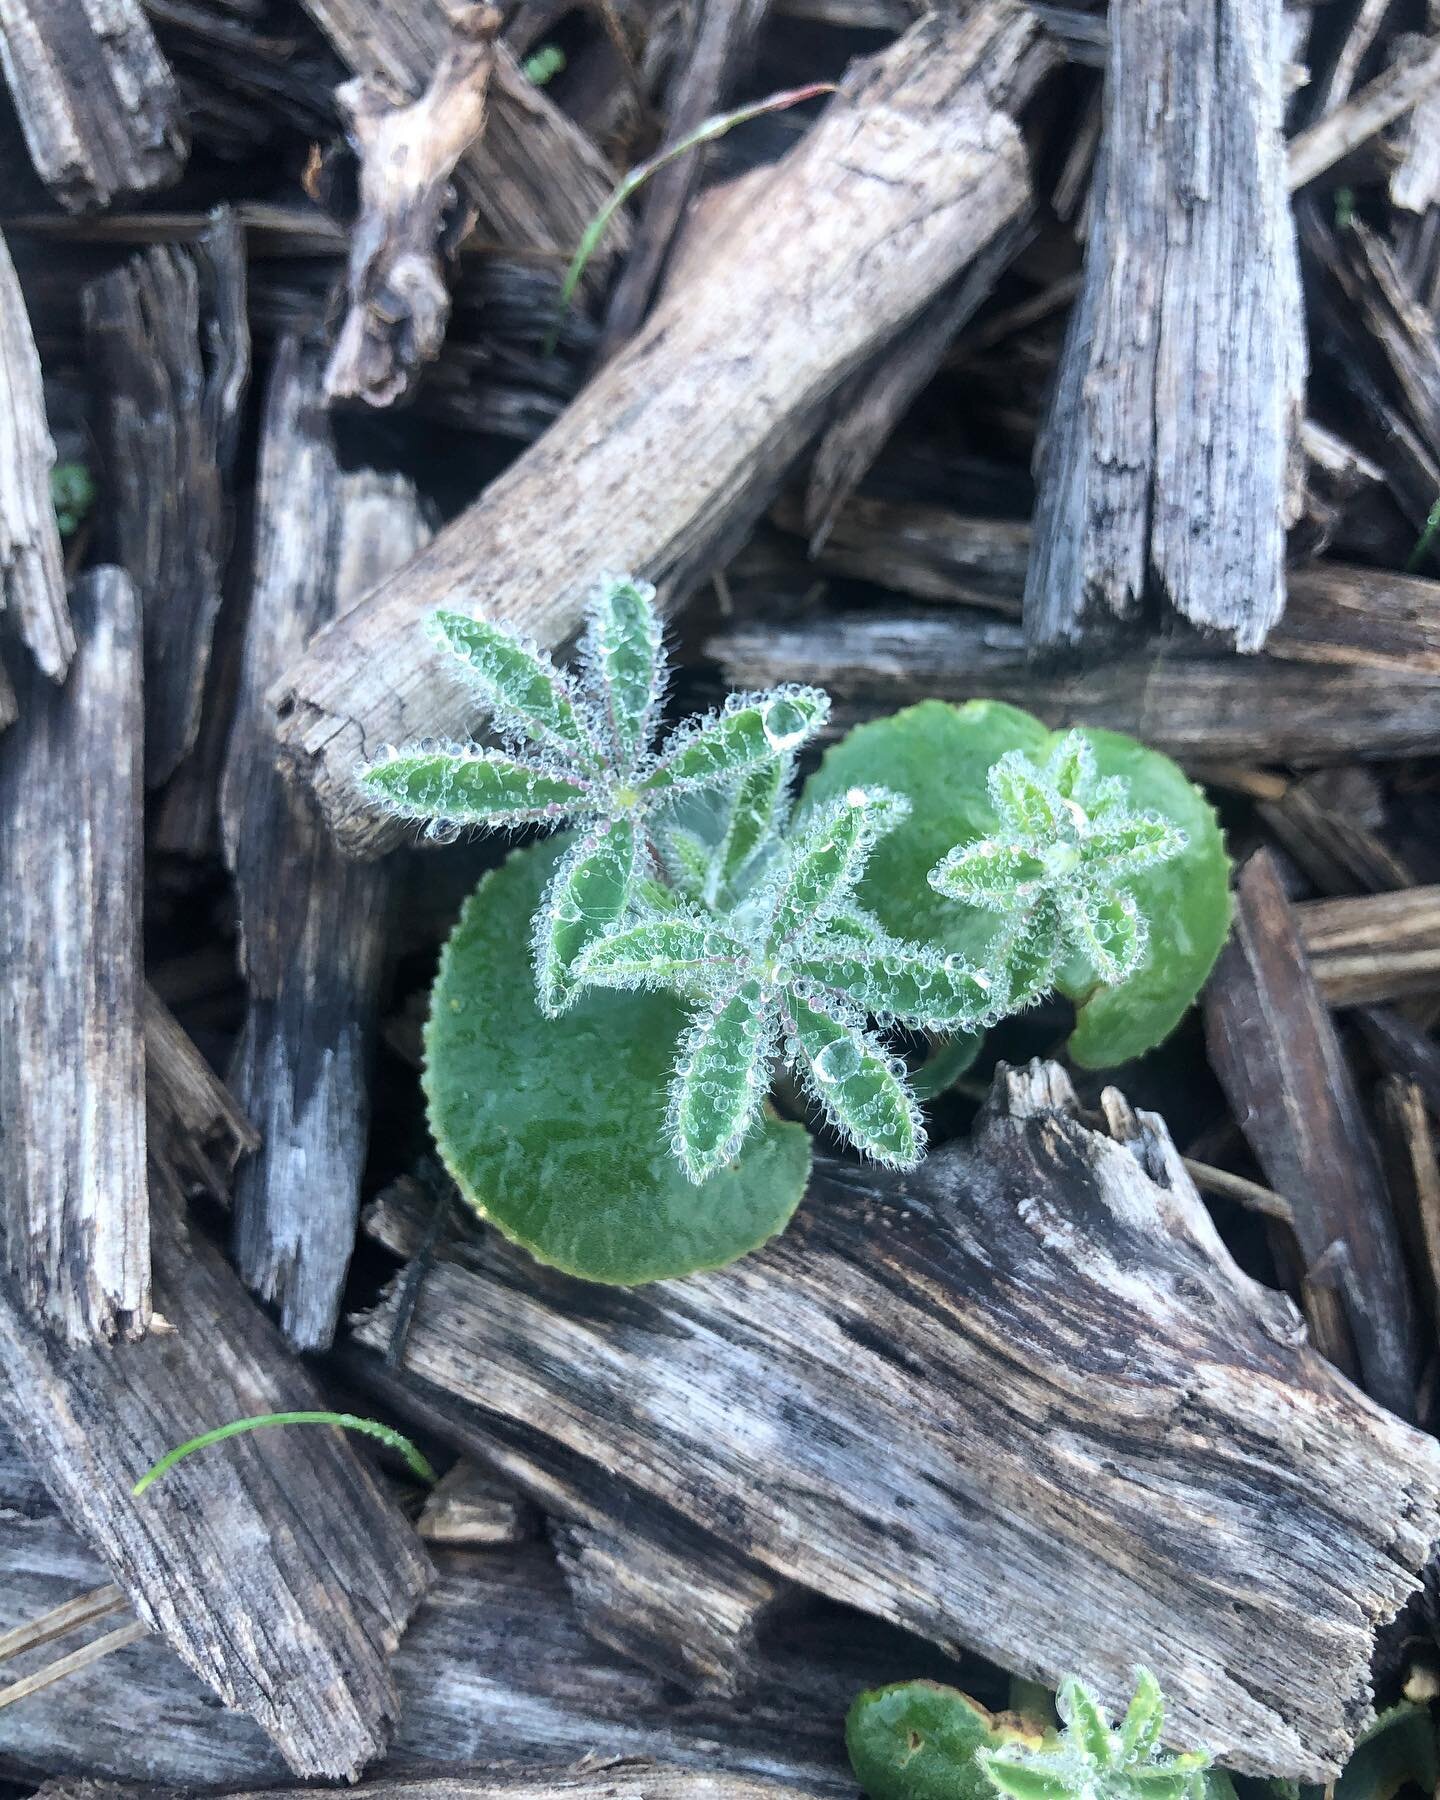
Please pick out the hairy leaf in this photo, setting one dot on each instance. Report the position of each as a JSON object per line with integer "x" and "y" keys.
{"x": 554, "y": 1129}
{"x": 518, "y": 685}
{"x": 471, "y": 786}
{"x": 984, "y": 873}
{"x": 856, "y": 1085}
{"x": 1089, "y": 1728}
{"x": 750, "y": 730}
{"x": 589, "y": 893}
{"x": 1144, "y": 1721}
{"x": 1109, "y": 930}
{"x": 917, "y": 1741}
{"x": 675, "y": 952}
{"x": 622, "y": 649}
{"x": 826, "y": 861}
{"x": 750, "y": 818}
{"x": 907, "y": 982}
{"x": 721, "y": 1077}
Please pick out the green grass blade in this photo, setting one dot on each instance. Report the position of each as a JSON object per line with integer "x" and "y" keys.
{"x": 386, "y": 1434}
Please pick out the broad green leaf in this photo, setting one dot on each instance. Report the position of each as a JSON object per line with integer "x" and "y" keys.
{"x": 917, "y": 1741}
{"x": 675, "y": 952}
{"x": 1144, "y": 1721}
{"x": 856, "y": 1086}
{"x": 554, "y": 1129}
{"x": 622, "y": 648}
{"x": 751, "y": 730}
{"x": 589, "y": 893}
{"x": 1088, "y": 1726}
{"x": 939, "y": 756}
{"x": 722, "y": 1075}
{"x": 470, "y": 786}
{"x": 907, "y": 982}
{"x": 516, "y": 683}
{"x": 750, "y": 817}
{"x": 988, "y": 874}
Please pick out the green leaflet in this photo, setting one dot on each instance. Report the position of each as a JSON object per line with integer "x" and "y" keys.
{"x": 470, "y": 786}
{"x": 906, "y": 982}
{"x": 590, "y": 893}
{"x": 1086, "y": 1724}
{"x": 750, "y": 730}
{"x": 673, "y": 952}
{"x": 984, "y": 873}
{"x": 622, "y": 648}
{"x": 721, "y": 1077}
{"x": 939, "y": 756}
{"x": 1144, "y": 1720}
{"x": 516, "y": 683}
{"x": 824, "y": 865}
{"x": 554, "y": 1129}
{"x": 1021, "y": 1781}
{"x": 856, "y": 1086}
{"x": 751, "y": 817}
{"x": 917, "y": 1741}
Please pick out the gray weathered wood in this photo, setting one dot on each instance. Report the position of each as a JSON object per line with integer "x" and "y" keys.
{"x": 911, "y": 170}
{"x": 166, "y": 335}
{"x": 72, "y": 1078}
{"x": 273, "y": 1565}
{"x": 32, "y": 571}
{"x": 1277, "y": 1055}
{"x": 97, "y": 102}
{"x": 972, "y": 1400}
{"x": 195, "y": 1129}
{"x": 470, "y": 1509}
{"x": 1390, "y": 96}
{"x": 312, "y": 923}
{"x": 1169, "y": 466}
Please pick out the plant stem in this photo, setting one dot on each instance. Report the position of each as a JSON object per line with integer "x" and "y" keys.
{"x": 348, "y": 1421}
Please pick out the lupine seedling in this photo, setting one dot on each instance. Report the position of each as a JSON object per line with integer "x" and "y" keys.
{"x": 939, "y": 870}
{"x": 1094, "y": 1760}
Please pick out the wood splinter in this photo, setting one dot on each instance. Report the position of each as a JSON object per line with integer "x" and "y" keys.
{"x": 397, "y": 301}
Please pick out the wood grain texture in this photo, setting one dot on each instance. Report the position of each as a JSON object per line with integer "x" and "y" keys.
{"x": 1199, "y": 709}
{"x": 195, "y": 1129}
{"x": 273, "y": 1565}
{"x": 97, "y": 102}
{"x": 312, "y": 923}
{"x": 72, "y": 1079}
{"x": 1169, "y": 466}
{"x": 1021, "y": 1398}
{"x": 172, "y": 367}
{"x": 1373, "y": 947}
{"x": 533, "y": 178}
{"x": 910, "y": 171}
{"x": 32, "y": 570}
{"x": 1275, "y": 1050}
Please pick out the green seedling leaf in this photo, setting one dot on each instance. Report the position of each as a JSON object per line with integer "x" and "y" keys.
{"x": 940, "y": 756}
{"x": 721, "y": 1078}
{"x": 588, "y": 896}
{"x": 72, "y": 494}
{"x": 621, "y": 650}
{"x": 905, "y": 983}
{"x": 706, "y": 132}
{"x": 1086, "y": 1724}
{"x": 857, "y": 1087}
{"x": 752, "y": 815}
{"x": 751, "y": 730}
{"x": 1144, "y": 1721}
{"x": 1397, "y": 1751}
{"x": 674, "y": 952}
{"x": 555, "y": 1129}
{"x": 918, "y": 1741}
{"x": 470, "y": 786}
{"x": 346, "y": 1421}
{"x": 516, "y": 683}
{"x": 946, "y": 1063}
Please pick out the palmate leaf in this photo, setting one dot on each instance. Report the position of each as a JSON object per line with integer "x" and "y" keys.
{"x": 621, "y": 650}
{"x": 751, "y": 729}
{"x": 721, "y": 1078}
{"x": 906, "y": 983}
{"x": 471, "y": 786}
{"x": 856, "y": 1085}
{"x": 518, "y": 685}
{"x": 588, "y": 895}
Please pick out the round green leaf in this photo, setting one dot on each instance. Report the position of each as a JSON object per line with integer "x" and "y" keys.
{"x": 939, "y": 755}
{"x": 917, "y": 1741}
{"x": 554, "y": 1129}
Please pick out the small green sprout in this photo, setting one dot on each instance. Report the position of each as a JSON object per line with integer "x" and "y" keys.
{"x": 1094, "y": 1760}
{"x": 546, "y": 63}
{"x": 395, "y": 1440}
{"x": 1057, "y": 870}
{"x": 72, "y": 494}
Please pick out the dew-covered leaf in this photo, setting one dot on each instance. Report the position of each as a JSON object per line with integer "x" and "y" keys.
{"x": 989, "y": 874}
{"x": 688, "y": 860}
{"x": 588, "y": 895}
{"x": 722, "y": 1074}
{"x": 1144, "y": 1720}
{"x": 1023, "y": 956}
{"x": 554, "y": 1129}
{"x": 856, "y": 1085}
{"x": 751, "y": 816}
{"x": 675, "y": 952}
{"x": 1071, "y": 767}
{"x": 910, "y": 983}
{"x": 518, "y": 685}
{"x": 1132, "y": 843}
{"x": 827, "y": 859}
{"x": 917, "y": 1741}
{"x": 1089, "y": 1728}
{"x": 1108, "y": 930}
{"x": 752, "y": 729}
{"x": 1023, "y": 797}
{"x": 470, "y": 786}
{"x": 622, "y": 651}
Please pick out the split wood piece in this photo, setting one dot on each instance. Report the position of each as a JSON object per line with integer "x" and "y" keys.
{"x": 397, "y": 301}
{"x": 1374, "y": 947}
{"x": 910, "y": 172}
{"x": 1201, "y": 710}
{"x": 1415, "y": 179}
{"x": 494, "y": 1668}
{"x": 1326, "y": 824}
{"x": 72, "y": 1079}
{"x": 1404, "y": 1048}
{"x": 719, "y": 46}
{"x": 273, "y": 1565}
{"x": 1390, "y": 96}
{"x": 162, "y": 331}
{"x": 877, "y": 400}
{"x": 32, "y": 569}
{"x": 312, "y": 923}
{"x": 1414, "y": 1175}
{"x": 665, "y": 1594}
{"x": 1169, "y": 466}
{"x": 195, "y": 1127}
{"x": 532, "y": 178}
{"x": 96, "y": 100}
{"x": 470, "y": 1509}
{"x": 969, "y": 1400}
{"x": 595, "y": 1777}
{"x": 1275, "y": 1050}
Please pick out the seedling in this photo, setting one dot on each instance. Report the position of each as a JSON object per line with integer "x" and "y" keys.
{"x": 940, "y": 870}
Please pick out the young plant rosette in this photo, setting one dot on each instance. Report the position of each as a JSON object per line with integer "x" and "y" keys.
{"x": 698, "y": 927}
